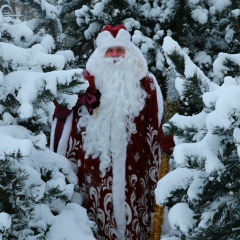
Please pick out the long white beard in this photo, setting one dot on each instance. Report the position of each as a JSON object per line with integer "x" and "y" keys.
{"x": 110, "y": 127}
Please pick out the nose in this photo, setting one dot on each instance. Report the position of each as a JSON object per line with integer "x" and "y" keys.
{"x": 115, "y": 53}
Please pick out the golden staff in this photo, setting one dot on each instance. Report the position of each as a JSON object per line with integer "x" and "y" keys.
{"x": 170, "y": 109}
{"x": 158, "y": 218}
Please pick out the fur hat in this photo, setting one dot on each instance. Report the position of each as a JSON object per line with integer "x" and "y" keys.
{"x": 116, "y": 36}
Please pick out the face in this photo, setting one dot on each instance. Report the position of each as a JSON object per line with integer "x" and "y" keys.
{"x": 115, "y": 52}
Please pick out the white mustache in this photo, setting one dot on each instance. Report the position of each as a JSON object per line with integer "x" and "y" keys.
{"x": 114, "y": 60}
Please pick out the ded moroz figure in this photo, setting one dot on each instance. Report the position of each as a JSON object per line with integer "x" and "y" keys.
{"x": 114, "y": 134}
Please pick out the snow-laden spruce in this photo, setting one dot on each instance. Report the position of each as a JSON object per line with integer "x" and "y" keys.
{"x": 202, "y": 190}
{"x": 38, "y": 188}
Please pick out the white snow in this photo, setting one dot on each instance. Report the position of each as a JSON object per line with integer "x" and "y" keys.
{"x": 182, "y": 176}
{"x": 72, "y": 223}
{"x": 51, "y": 10}
{"x": 26, "y": 59}
{"x": 200, "y": 15}
{"x": 14, "y": 138}
{"x": 27, "y": 80}
{"x": 67, "y": 54}
{"x": 48, "y": 43}
{"x": 20, "y": 32}
{"x": 169, "y": 46}
{"x": 218, "y": 6}
{"x": 205, "y": 147}
{"x": 202, "y": 58}
{"x": 219, "y": 68}
{"x": 181, "y": 216}
{"x": 5, "y": 221}
{"x": 131, "y": 23}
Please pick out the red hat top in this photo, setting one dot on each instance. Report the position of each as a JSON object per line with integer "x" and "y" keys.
{"x": 114, "y": 29}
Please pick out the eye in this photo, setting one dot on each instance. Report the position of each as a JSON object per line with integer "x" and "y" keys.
{"x": 120, "y": 50}
{"x": 109, "y": 50}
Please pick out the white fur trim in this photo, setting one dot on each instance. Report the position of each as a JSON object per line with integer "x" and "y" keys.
{"x": 106, "y": 40}
{"x": 63, "y": 142}
{"x": 159, "y": 99}
{"x": 118, "y": 191}
{"x": 142, "y": 62}
{"x": 53, "y": 128}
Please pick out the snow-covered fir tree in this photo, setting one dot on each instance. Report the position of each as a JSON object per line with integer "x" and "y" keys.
{"x": 203, "y": 185}
{"x": 38, "y": 188}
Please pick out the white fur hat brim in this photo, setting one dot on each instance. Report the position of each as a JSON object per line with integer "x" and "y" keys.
{"x": 106, "y": 40}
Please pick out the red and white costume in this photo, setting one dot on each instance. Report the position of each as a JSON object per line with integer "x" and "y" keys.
{"x": 117, "y": 175}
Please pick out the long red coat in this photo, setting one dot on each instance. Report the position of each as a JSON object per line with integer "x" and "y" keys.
{"x": 141, "y": 171}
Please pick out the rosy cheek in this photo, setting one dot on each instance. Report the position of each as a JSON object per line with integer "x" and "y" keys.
{"x": 108, "y": 54}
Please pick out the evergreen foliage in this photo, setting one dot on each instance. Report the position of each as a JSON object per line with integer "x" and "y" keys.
{"x": 206, "y": 157}
{"x": 19, "y": 200}
{"x": 33, "y": 178}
